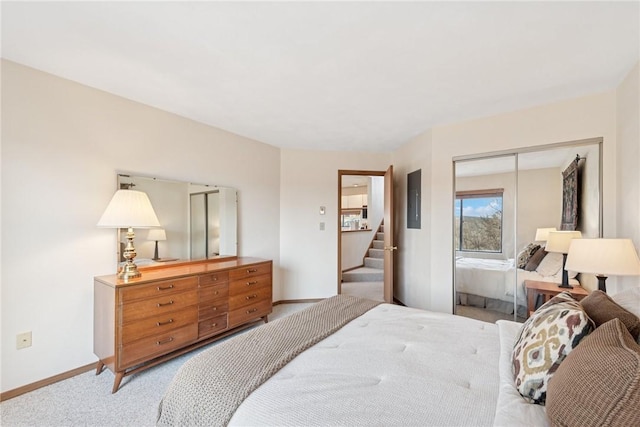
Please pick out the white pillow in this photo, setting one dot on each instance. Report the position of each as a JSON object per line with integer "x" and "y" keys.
{"x": 550, "y": 264}
{"x": 629, "y": 299}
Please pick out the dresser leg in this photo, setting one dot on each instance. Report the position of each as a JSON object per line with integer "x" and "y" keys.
{"x": 266, "y": 319}
{"x": 116, "y": 382}
{"x": 99, "y": 367}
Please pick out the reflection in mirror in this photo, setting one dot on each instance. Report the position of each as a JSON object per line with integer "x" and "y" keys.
{"x": 200, "y": 221}
{"x": 492, "y": 282}
{"x": 484, "y": 226}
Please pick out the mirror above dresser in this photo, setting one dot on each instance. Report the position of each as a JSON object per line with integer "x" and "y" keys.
{"x": 199, "y": 221}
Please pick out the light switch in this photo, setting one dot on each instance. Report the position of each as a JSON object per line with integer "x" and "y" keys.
{"x": 322, "y": 210}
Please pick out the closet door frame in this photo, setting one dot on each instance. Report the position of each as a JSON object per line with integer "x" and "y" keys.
{"x": 516, "y": 153}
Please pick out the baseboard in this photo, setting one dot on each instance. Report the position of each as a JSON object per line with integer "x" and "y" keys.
{"x": 45, "y": 382}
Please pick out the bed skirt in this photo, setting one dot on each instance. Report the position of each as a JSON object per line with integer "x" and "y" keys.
{"x": 489, "y": 303}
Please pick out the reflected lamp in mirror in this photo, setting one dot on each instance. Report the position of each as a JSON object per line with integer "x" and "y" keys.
{"x": 559, "y": 242}
{"x": 542, "y": 234}
{"x": 129, "y": 209}
{"x": 156, "y": 234}
{"x": 604, "y": 257}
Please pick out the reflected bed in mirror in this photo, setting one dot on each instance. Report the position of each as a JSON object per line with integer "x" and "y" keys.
{"x": 199, "y": 220}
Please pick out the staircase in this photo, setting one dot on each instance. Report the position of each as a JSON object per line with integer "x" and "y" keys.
{"x": 373, "y": 270}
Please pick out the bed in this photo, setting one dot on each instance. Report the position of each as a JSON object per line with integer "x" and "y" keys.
{"x": 488, "y": 283}
{"x": 387, "y": 365}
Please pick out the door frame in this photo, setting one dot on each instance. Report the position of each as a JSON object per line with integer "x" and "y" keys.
{"x": 341, "y": 173}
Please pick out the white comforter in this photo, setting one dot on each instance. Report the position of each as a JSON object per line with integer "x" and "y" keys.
{"x": 391, "y": 366}
{"x": 494, "y": 278}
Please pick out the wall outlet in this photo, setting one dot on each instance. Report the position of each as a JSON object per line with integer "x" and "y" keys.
{"x": 322, "y": 226}
{"x": 23, "y": 340}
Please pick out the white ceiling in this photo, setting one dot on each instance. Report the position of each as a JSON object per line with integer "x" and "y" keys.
{"x": 330, "y": 75}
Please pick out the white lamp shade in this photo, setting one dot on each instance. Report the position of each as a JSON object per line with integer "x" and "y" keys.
{"x": 559, "y": 241}
{"x": 615, "y": 257}
{"x": 129, "y": 208}
{"x": 157, "y": 234}
{"x": 542, "y": 234}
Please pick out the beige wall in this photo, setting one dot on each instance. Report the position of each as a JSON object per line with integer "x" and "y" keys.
{"x": 628, "y": 158}
{"x": 412, "y": 259}
{"x": 62, "y": 144}
{"x": 539, "y": 203}
{"x": 308, "y": 180}
{"x": 576, "y": 119}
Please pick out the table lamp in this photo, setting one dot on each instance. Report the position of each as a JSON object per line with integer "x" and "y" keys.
{"x": 156, "y": 234}
{"x": 559, "y": 241}
{"x": 129, "y": 209}
{"x": 604, "y": 257}
{"x": 542, "y": 234}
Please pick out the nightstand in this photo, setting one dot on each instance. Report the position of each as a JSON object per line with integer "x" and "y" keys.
{"x": 548, "y": 290}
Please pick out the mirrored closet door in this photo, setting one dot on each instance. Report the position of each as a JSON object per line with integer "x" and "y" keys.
{"x": 520, "y": 196}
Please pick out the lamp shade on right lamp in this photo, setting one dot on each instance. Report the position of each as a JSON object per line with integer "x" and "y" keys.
{"x": 603, "y": 257}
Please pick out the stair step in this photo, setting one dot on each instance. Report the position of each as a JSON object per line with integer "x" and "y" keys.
{"x": 374, "y": 262}
{"x": 376, "y": 253}
{"x": 379, "y": 236}
{"x": 363, "y": 274}
{"x": 378, "y": 244}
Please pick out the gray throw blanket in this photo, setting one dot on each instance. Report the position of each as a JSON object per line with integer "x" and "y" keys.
{"x": 209, "y": 387}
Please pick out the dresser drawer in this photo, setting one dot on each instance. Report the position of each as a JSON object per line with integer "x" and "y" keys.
{"x": 250, "y": 271}
{"x": 157, "y": 289}
{"x": 250, "y": 297}
{"x": 208, "y": 310}
{"x": 146, "y": 348}
{"x": 209, "y": 278}
{"x": 214, "y": 292}
{"x": 211, "y": 326}
{"x": 158, "y": 306}
{"x": 250, "y": 312}
{"x": 238, "y": 287}
{"x": 154, "y": 325}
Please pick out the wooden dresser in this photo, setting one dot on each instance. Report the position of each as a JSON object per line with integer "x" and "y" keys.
{"x": 171, "y": 310}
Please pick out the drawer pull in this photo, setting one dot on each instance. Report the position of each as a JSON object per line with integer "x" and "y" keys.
{"x": 164, "y": 323}
{"x": 162, "y": 304}
{"x": 167, "y": 341}
{"x": 216, "y": 293}
{"x": 251, "y": 297}
{"x": 214, "y": 278}
{"x": 253, "y": 310}
{"x": 251, "y": 270}
{"x": 214, "y": 308}
{"x": 252, "y": 283}
{"x": 213, "y": 325}
{"x": 160, "y": 288}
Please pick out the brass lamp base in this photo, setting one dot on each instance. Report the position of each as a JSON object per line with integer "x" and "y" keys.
{"x": 129, "y": 269}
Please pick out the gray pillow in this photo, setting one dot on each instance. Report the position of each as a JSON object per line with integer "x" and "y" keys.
{"x": 535, "y": 260}
{"x": 525, "y": 254}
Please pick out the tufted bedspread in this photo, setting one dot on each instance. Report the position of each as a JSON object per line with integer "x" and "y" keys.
{"x": 391, "y": 366}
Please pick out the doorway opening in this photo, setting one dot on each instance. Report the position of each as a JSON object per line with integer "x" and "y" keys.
{"x": 365, "y": 238}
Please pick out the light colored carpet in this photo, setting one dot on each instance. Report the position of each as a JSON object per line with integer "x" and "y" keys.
{"x": 86, "y": 399}
{"x": 371, "y": 290}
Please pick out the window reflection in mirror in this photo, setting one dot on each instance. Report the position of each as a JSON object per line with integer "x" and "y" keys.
{"x": 198, "y": 231}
